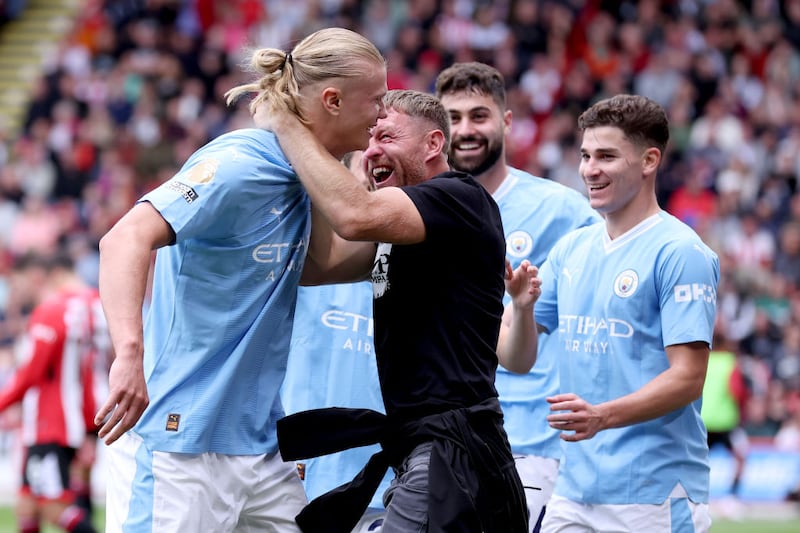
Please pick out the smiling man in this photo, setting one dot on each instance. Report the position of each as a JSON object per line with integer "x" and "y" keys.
{"x": 632, "y": 303}
{"x": 437, "y": 283}
{"x": 194, "y": 391}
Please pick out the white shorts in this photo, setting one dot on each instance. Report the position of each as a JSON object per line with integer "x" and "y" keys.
{"x": 675, "y": 515}
{"x": 538, "y": 476}
{"x": 174, "y": 492}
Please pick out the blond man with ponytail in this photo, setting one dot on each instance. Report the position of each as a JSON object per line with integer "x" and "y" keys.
{"x": 334, "y": 81}
{"x": 190, "y": 418}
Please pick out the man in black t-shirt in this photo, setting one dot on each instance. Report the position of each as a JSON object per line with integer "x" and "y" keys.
{"x": 438, "y": 287}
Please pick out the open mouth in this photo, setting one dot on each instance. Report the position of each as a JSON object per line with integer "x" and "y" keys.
{"x": 381, "y": 173}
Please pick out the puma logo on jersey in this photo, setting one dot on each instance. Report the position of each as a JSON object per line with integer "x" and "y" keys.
{"x": 173, "y": 421}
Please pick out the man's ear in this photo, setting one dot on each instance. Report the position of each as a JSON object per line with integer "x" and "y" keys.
{"x": 507, "y": 119}
{"x": 434, "y": 144}
{"x": 332, "y": 100}
{"x": 652, "y": 159}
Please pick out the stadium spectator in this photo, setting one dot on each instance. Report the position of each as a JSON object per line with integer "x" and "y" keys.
{"x": 488, "y": 31}
{"x": 762, "y": 343}
{"x": 633, "y": 338}
{"x": 39, "y": 171}
{"x": 36, "y": 228}
{"x": 693, "y": 202}
{"x": 788, "y": 436}
{"x": 541, "y": 82}
{"x": 752, "y": 248}
{"x": 787, "y": 255}
{"x": 765, "y": 411}
{"x": 658, "y": 80}
{"x": 787, "y": 368}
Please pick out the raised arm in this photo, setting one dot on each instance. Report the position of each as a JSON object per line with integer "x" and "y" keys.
{"x": 519, "y": 339}
{"x": 125, "y": 253}
{"x": 331, "y": 259}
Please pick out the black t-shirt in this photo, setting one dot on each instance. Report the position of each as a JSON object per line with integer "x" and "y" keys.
{"x": 438, "y": 304}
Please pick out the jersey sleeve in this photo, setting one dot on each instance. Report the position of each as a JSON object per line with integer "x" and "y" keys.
{"x": 194, "y": 200}
{"x": 688, "y": 274}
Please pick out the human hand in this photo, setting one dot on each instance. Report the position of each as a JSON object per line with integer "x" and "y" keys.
{"x": 583, "y": 418}
{"x": 126, "y": 401}
{"x": 523, "y": 284}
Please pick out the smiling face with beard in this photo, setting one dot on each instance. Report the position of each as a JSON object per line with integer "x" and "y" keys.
{"x": 478, "y": 129}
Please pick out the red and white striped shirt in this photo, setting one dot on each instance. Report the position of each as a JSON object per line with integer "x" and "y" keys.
{"x": 63, "y": 377}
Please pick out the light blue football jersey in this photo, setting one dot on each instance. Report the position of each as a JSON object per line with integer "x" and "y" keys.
{"x": 536, "y": 212}
{"x": 219, "y": 323}
{"x": 612, "y": 307}
{"x": 332, "y": 364}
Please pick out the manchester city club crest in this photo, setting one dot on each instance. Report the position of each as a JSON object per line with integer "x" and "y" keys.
{"x": 626, "y": 283}
{"x": 519, "y": 244}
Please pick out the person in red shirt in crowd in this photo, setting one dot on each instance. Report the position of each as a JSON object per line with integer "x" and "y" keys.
{"x": 60, "y": 388}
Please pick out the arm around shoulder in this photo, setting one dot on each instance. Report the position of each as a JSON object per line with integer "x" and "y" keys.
{"x": 386, "y": 215}
{"x": 332, "y": 259}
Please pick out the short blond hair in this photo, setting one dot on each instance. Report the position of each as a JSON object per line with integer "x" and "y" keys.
{"x": 325, "y": 54}
{"x": 420, "y": 105}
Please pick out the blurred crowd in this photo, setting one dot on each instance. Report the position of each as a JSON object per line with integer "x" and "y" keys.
{"x": 137, "y": 86}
